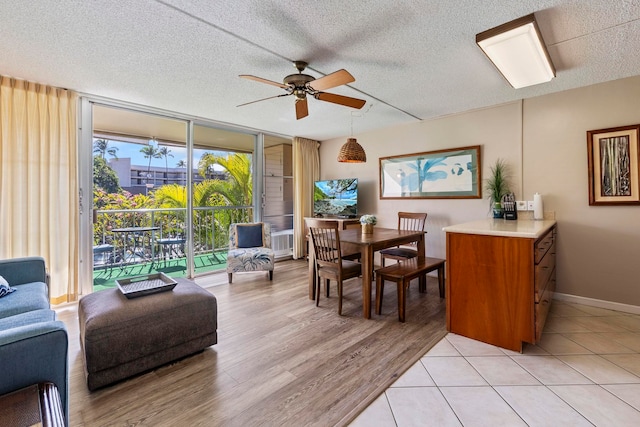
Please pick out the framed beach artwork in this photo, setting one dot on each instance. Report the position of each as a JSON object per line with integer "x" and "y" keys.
{"x": 613, "y": 166}
{"x": 443, "y": 174}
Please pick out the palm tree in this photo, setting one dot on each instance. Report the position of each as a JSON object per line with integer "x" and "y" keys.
{"x": 164, "y": 152}
{"x": 182, "y": 164}
{"x": 150, "y": 152}
{"x": 237, "y": 190}
{"x": 101, "y": 146}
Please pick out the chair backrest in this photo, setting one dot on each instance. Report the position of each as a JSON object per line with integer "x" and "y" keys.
{"x": 325, "y": 238}
{"x": 266, "y": 234}
{"x": 413, "y": 221}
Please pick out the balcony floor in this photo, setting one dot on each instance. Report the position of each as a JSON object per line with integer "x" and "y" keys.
{"x": 105, "y": 277}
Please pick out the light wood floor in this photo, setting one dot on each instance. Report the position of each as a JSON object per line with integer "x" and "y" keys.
{"x": 279, "y": 361}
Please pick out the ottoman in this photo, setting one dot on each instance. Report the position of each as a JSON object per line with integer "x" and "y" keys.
{"x": 123, "y": 337}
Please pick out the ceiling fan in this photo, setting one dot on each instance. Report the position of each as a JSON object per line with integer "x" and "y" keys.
{"x": 300, "y": 85}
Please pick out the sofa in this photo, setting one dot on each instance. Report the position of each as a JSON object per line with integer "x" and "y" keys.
{"x": 33, "y": 344}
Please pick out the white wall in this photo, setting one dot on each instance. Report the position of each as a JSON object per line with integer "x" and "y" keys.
{"x": 544, "y": 141}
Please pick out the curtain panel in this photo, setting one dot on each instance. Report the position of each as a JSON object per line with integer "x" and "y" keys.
{"x": 306, "y": 170}
{"x": 38, "y": 180}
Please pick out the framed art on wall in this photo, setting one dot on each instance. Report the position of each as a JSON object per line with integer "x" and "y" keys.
{"x": 442, "y": 174}
{"x": 613, "y": 166}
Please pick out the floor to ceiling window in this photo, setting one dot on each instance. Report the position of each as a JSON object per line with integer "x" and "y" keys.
{"x": 164, "y": 191}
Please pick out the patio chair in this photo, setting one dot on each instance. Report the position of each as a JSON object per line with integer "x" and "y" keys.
{"x": 250, "y": 249}
{"x": 103, "y": 255}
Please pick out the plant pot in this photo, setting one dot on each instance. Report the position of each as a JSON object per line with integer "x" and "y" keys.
{"x": 498, "y": 212}
{"x": 367, "y": 228}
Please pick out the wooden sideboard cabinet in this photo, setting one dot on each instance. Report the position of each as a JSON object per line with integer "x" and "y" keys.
{"x": 499, "y": 287}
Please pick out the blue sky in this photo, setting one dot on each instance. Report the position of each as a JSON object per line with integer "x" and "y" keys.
{"x": 130, "y": 150}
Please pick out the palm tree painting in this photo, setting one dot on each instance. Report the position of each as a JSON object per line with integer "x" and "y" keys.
{"x": 436, "y": 174}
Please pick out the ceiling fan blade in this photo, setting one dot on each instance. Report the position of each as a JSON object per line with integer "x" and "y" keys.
{"x": 263, "y": 99}
{"x": 261, "y": 80}
{"x": 339, "y": 99}
{"x": 302, "y": 109}
{"x": 340, "y": 77}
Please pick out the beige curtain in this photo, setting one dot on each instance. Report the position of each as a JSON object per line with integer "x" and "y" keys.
{"x": 38, "y": 180}
{"x": 306, "y": 170}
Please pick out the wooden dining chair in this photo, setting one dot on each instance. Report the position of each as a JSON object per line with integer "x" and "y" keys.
{"x": 406, "y": 221}
{"x": 330, "y": 265}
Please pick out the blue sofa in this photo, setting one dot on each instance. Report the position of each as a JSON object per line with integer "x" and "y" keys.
{"x": 33, "y": 344}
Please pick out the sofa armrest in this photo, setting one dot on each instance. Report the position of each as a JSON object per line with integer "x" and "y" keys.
{"x": 36, "y": 353}
{"x": 23, "y": 270}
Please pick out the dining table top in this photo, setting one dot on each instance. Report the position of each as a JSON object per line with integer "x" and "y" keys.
{"x": 379, "y": 235}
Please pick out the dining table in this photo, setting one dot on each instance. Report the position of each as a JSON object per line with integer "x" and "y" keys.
{"x": 368, "y": 244}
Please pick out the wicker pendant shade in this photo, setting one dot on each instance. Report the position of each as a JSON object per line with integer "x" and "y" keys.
{"x": 352, "y": 152}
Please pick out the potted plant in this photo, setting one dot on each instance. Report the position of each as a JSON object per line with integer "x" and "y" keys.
{"x": 368, "y": 221}
{"x": 496, "y": 186}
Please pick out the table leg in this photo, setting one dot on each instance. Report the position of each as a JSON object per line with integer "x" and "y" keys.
{"x": 366, "y": 257}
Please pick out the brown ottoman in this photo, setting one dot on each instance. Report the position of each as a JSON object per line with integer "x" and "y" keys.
{"x": 123, "y": 337}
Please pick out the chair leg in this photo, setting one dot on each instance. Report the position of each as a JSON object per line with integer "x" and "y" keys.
{"x": 270, "y": 274}
{"x": 230, "y": 274}
{"x": 318, "y": 286}
{"x": 339, "y": 297}
{"x": 328, "y": 288}
{"x": 422, "y": 283}
{"x": 379, "y": 293}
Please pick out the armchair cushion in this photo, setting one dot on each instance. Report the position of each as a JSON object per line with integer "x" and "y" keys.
{"x": 249, "y": 235}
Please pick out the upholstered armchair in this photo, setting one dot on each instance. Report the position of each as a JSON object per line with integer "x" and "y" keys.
{"x": 250, "y": 249}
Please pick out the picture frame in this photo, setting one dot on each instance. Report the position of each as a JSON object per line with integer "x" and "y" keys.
{"x": 443, "y": 174}
{"x": 613, "y": 156}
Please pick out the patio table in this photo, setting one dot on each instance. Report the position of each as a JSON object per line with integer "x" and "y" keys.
{"x": 138, "y": 233}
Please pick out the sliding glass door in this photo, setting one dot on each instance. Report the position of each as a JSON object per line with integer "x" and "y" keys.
{"x": 222, "y": 191}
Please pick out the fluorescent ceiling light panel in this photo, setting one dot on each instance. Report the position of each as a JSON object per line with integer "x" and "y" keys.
{"x": 518, "y": 51}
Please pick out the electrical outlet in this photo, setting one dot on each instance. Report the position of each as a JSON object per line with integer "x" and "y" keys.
{"x": 529, "y": 205}
{"x": 521, "y": 205}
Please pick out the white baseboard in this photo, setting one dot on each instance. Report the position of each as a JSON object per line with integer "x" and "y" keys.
{"x": 625, "y": 308}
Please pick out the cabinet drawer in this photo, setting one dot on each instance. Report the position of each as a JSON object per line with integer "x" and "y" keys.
{"x": 542, "y": 309}
{"x": 543, "y": 271}
{"x": 544, "y": 244}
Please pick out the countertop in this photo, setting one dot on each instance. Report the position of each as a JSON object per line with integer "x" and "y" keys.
{"x": 500, "y": 227}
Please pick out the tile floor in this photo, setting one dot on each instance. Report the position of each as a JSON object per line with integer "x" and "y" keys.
{"x": 585, "y": 371}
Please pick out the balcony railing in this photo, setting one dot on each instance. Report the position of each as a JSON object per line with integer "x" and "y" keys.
{"x": 133, "y": 236}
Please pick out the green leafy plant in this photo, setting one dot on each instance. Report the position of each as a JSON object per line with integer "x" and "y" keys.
{"x": 497, "y": 185}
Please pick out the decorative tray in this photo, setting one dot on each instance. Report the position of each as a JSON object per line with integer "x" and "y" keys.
{"x": 134, "y": 287}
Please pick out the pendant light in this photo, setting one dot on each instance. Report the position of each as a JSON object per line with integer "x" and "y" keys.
{"x": 351, "y": 151}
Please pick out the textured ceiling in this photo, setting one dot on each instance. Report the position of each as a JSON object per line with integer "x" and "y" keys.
{"x": 412, "y": 60}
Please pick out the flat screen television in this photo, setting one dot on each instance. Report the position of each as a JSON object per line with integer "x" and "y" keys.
{"x": 336, "y": 197}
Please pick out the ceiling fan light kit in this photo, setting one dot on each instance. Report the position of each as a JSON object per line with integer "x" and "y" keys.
{"x": 518, "y": 52}
{"x": 300, "y": 85}
{"x": 352, "y": 152}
